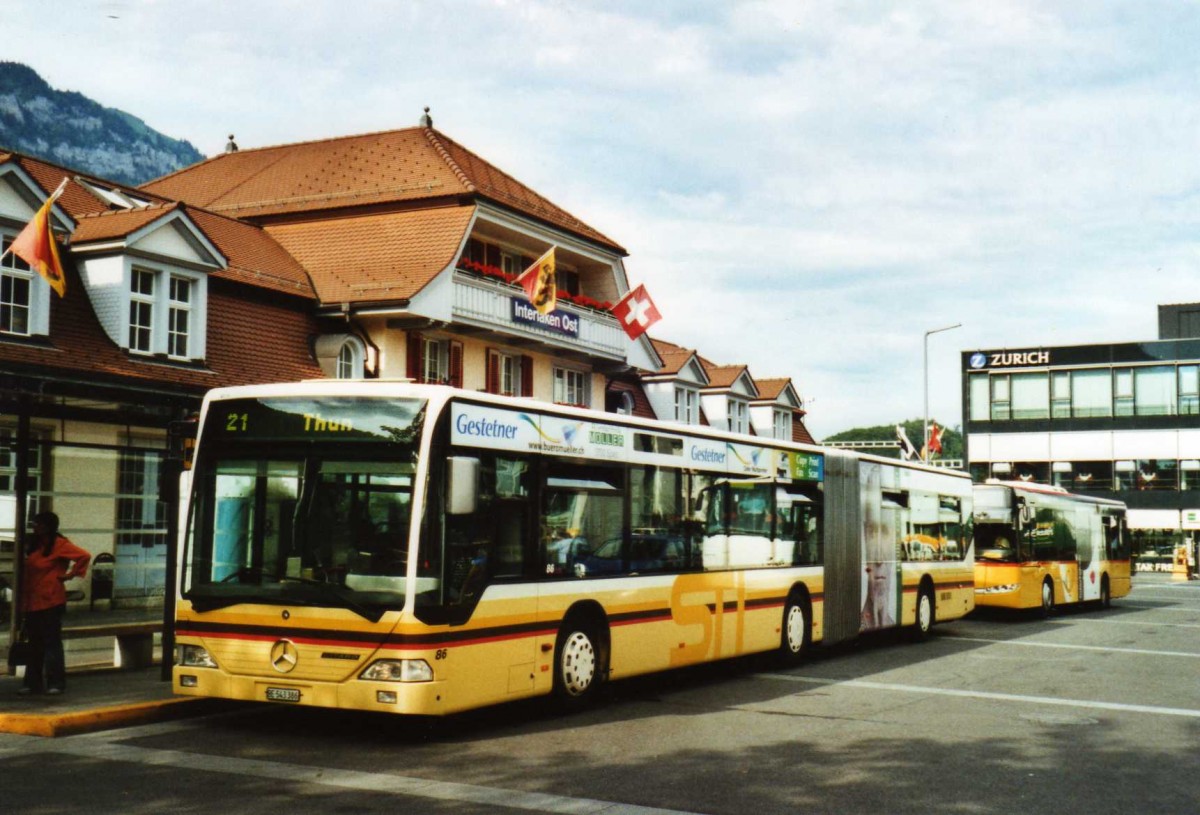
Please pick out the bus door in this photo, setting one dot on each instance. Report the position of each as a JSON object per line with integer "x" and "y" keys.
{"x": 881, "y": 584}
{"x": 1033, "y": 551}
{"x": 487, "y": 594}
{"x": 1089, "y": 549}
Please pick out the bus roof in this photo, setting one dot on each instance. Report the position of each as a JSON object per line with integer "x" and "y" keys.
{"x": 439, "y": 395}
{"x": 1049, "y": 489}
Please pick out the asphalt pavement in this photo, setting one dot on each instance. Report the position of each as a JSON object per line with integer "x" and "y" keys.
{"x": 102, "y": 698}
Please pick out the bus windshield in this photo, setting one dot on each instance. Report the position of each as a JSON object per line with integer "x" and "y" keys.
{"x": 303, "y": 501}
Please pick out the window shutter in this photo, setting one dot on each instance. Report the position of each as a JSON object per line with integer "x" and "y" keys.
{"x": 416, "y": 356}
{"x": 492, "y": 385}
{"x": 526, "y": 376}
{"x": 456, "y": 364}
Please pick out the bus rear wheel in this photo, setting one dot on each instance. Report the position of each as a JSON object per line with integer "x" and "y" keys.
{"x": 1047, "y": 597}
{"x": 579, "y": 663}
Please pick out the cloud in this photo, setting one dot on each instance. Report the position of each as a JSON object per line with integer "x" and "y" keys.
{"x": 804, "y": 187}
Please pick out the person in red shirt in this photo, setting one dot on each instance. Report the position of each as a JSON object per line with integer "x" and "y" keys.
{"x": 50, "y": 561}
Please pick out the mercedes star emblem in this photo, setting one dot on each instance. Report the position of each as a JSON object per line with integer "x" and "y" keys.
{"x": 283, "y": 656}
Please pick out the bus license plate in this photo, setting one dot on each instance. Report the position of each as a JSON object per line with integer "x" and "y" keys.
{"x": 283, "y": 694}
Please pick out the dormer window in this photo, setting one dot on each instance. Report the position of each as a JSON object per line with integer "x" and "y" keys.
{"x": 165, "y": 312}
{"x": 781, "y": 427}
{"x": 687, "y": 405}
{"x": 15, "y": 283}
{"x": 24, "y": 296}
{"x": 738, "y": 422}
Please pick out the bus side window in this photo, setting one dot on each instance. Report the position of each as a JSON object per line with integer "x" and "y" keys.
{"x": 583, "y": 511}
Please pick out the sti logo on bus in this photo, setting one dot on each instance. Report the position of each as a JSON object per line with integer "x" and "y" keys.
{"x": 1008, "y": 359}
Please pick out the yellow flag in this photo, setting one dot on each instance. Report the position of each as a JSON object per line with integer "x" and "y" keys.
{"x": 541, "y": 283}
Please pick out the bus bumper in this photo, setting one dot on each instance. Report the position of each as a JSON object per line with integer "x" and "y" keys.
{"x": 412, "y": 698}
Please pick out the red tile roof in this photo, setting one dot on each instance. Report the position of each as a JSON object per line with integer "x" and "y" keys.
{"x": 76, "y": 199}
{"x": 384, "y": 257}
{"x": 112, "y": 224}
{"x": 254, "y": 257}
{"x": 722, "y": 376}
{"x": 391, "y": 167}
{"x": 800, "y": 432}
{"x": 252, "y": 338}
{"x": 770, "y": 389}
{"x": 674, "y": 356}
{"x": 641, "y": 403}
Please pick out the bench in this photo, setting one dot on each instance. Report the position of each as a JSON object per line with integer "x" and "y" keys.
{"x": 134, "y": 648}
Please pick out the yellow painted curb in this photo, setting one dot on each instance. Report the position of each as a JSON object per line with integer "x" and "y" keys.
{"x": 86, "y": 721}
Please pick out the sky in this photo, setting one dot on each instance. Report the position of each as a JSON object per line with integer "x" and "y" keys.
{"x": 803, "y": 187}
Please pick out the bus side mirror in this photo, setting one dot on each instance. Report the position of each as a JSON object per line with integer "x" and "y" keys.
{"x": 462, "y": 485}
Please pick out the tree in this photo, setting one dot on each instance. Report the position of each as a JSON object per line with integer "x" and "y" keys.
{"x": 952, "y": 441}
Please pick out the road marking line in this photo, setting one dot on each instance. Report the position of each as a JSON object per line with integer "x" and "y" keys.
{"x": 1102, "y": 648}
{"x": 1121, "y": 622}
{"x": 1003, "y": 697}
{"x": 1149, "y": 606}
{"x": 353, "y": 779}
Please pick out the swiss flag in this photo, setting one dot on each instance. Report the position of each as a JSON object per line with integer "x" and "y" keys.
{"x": 636, "y": 312}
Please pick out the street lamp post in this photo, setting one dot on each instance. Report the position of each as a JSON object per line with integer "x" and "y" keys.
{"x": 925, "y": 428}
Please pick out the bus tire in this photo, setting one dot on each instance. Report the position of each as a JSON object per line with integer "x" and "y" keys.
{"x": 796, "y": 633}
{"x": 1047, "y": 598}
{"x": 579, "y": 662}
{"x": 1105, "y": 593}
{"x": 926, "y": 613}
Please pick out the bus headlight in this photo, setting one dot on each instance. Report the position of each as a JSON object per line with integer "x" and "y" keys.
{"x": 398, "y": 670}
{"x": 193, "y": 656}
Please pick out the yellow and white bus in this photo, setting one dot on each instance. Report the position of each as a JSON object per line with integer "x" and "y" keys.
{"x": 1038, "y": 546}
{"x": 418, "y": 549}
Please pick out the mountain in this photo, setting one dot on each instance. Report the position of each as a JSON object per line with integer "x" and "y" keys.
{"x": 68, "y": 128}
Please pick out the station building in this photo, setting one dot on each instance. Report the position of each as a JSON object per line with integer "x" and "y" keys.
{"x": 1120, "y": 420}
{"x": 385, "y": 255}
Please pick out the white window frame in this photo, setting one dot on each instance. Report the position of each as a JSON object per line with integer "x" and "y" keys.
{"x": 739, "y": 421}
{"x": 510, "y": 263}
{"x": 687, "y": 405}
{"x": 435, "y": 355}
{"x": 508, "y": 372}
{"x": 349, "y": 361}
{"x": 37, "y": 301}
{"x": 163, "y": 332}
{"x": 141, "y": 304}
{"x": 177, "y": 308}
{"x": 572, "y": 387}
{"x": 781, "y": 423}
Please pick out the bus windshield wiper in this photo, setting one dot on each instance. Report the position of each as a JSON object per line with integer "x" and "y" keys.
{"x": 257, "y": 575}
{"x": 337, "y": 592}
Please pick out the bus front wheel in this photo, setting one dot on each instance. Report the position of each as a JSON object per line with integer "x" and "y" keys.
{"x": 925, "y": 614}
{"x": 795, "y": 635}
{"x": 579, "y": 663}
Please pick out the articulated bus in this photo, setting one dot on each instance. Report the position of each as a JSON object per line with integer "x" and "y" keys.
{"x": 1038, "y": 546}
{"x": 418, "y": 549}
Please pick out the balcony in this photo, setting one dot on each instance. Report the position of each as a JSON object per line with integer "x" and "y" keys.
{"x": 492, "y": 304}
